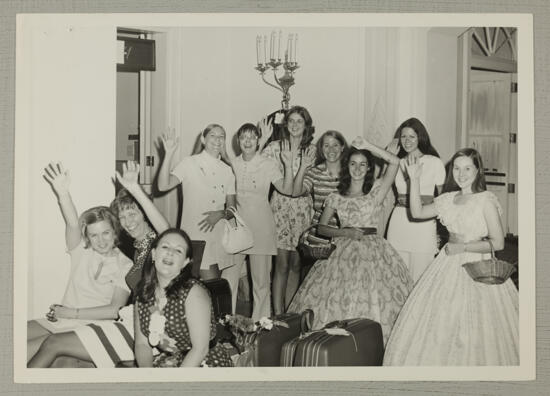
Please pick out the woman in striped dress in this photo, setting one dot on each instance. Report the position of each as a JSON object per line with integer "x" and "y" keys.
{"x": 323, "y": 178}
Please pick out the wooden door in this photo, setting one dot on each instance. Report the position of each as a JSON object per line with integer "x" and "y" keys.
{"x": 489, "y": 130}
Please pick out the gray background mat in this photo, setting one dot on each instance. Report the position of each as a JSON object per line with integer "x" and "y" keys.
{"x": 541, "y": 11}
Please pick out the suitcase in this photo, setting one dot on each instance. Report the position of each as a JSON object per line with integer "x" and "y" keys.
{"x": 220, "y": 294}
{"x": 363, "y": 346}
{"x": 266, "y": 345}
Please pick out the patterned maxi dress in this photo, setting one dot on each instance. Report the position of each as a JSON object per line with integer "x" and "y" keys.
{"x": 175, "y": 342}
{"x": 450, "y": 320}
{"x": 362, "y": 278}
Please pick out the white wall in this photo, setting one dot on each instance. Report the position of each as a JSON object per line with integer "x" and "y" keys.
{"x": 206, "y": 75}
{"x": 65, "y": 112}
{"x": 441, "y": 99}
{"x": 355, "y": 80}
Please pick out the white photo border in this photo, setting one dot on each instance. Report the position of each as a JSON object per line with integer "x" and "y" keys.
{"x": 526, "y": 204}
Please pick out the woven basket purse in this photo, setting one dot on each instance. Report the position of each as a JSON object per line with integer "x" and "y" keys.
{"x": 491, "y": 271}
{"x": 312, "y": 251}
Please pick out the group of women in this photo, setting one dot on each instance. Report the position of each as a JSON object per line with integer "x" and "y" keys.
{"x": 430, "y": 311}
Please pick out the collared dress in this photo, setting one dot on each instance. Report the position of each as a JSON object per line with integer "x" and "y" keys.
{"x": 292, "y": 214}
{"x": 110, "y": 342}
{"x": 206, "y": 181}
{"x": 254, "y": 179}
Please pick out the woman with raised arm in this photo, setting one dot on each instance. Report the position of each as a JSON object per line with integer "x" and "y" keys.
{"x": 415, "y": 239}
{"x": 173, "y": 310}
{"x": 96, "y": 288}
{"x": 449, "y": 319}
{"x": 321, "y": 179}
{"x": 141, "y": 220}
{"x": 364, "y": 276}
{"x": 255, "y": 174}
{"x": 292, "y": 214}
{"x": 208, "y": 187}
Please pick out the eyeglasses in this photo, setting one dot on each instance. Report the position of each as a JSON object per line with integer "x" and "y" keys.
{"x": 299, "y": 121}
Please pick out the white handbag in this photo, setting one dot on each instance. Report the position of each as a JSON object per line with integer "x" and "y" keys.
{"x": 236, "y": 238}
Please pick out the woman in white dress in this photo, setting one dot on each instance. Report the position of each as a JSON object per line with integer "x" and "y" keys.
{"x": 255, "y": 173}
{"x": 415, "y": 239}
{"x": 449, "y": 319}
{"x": 208, "y": 187}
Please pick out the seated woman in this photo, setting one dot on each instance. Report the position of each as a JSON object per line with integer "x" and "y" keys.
{"x": 173, "y": 310}
{"x": 364, "y": 277}
{"x": 95, "y": 342}
{"x": 96, "y": 288}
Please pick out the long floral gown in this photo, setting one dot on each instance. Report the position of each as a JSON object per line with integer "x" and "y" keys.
{"x": 363, "y": 278}
{"x": 450, "y": 320}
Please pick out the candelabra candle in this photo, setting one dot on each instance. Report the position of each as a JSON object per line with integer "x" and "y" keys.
{"x": 289, "y": 66}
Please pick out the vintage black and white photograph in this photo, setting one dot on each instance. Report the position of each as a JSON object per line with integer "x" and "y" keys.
{"x": 274, "y": 197}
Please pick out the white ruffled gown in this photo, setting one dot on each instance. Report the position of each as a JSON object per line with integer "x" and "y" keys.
{"x": 450, "y": 320}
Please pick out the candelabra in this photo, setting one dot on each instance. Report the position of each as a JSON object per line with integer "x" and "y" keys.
{"x": 274, "y": 62}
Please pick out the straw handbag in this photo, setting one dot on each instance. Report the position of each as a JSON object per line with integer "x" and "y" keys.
{"x": 490, "y": 271}
{"x": 312, "y": 251}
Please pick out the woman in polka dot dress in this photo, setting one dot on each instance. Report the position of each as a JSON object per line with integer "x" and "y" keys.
{"x": 174, "y": 311}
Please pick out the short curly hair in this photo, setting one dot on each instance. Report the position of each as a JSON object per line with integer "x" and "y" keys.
{"x": 95, "y": 215}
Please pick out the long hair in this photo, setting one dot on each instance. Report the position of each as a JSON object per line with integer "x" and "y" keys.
{"x": 424, "y": 143}
{"x": 336, "y": 135}
{"x": 145, "y": 290}
{"x": 478, "y": 184}
{"x": 309, "y": 129}
{"x": 95, "y": 215}
{"x": 345, "y": 176}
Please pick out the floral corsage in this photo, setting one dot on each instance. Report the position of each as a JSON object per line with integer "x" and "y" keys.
{"x": 156, "y": 325}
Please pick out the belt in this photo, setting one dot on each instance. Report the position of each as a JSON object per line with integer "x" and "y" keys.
{"x": 457, "y": 238}
{"x": 368, "y": 230}
{"x": 403, "y": 200}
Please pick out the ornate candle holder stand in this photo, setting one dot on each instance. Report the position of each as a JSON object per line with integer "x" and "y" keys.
{"x": 284, "y": 82}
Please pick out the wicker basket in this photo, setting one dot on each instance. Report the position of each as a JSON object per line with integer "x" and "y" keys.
{"x": 314, "y": 251}
{"x": 490, "y": 271}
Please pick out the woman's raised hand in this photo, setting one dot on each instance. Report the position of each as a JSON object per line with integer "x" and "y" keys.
{"x": 414, "y": 168}
{"x": 308, "y": 156}
{"x": 58, "y": 177}
{"x": 360, "y": 143}
{"x": 393, "y": 147}
{"x": 286, "y": 154}
{"x": 170, "y": 141}
{"x": 266, "y": 128}
{"x": 130, "y": 176}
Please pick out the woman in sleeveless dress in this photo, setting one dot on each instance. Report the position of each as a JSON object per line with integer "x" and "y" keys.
{"x": 173, "y": 310}
{"x": 364, "y": 276}
{"x": 449, "y": 319}
{"x": 415, "y": 239}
